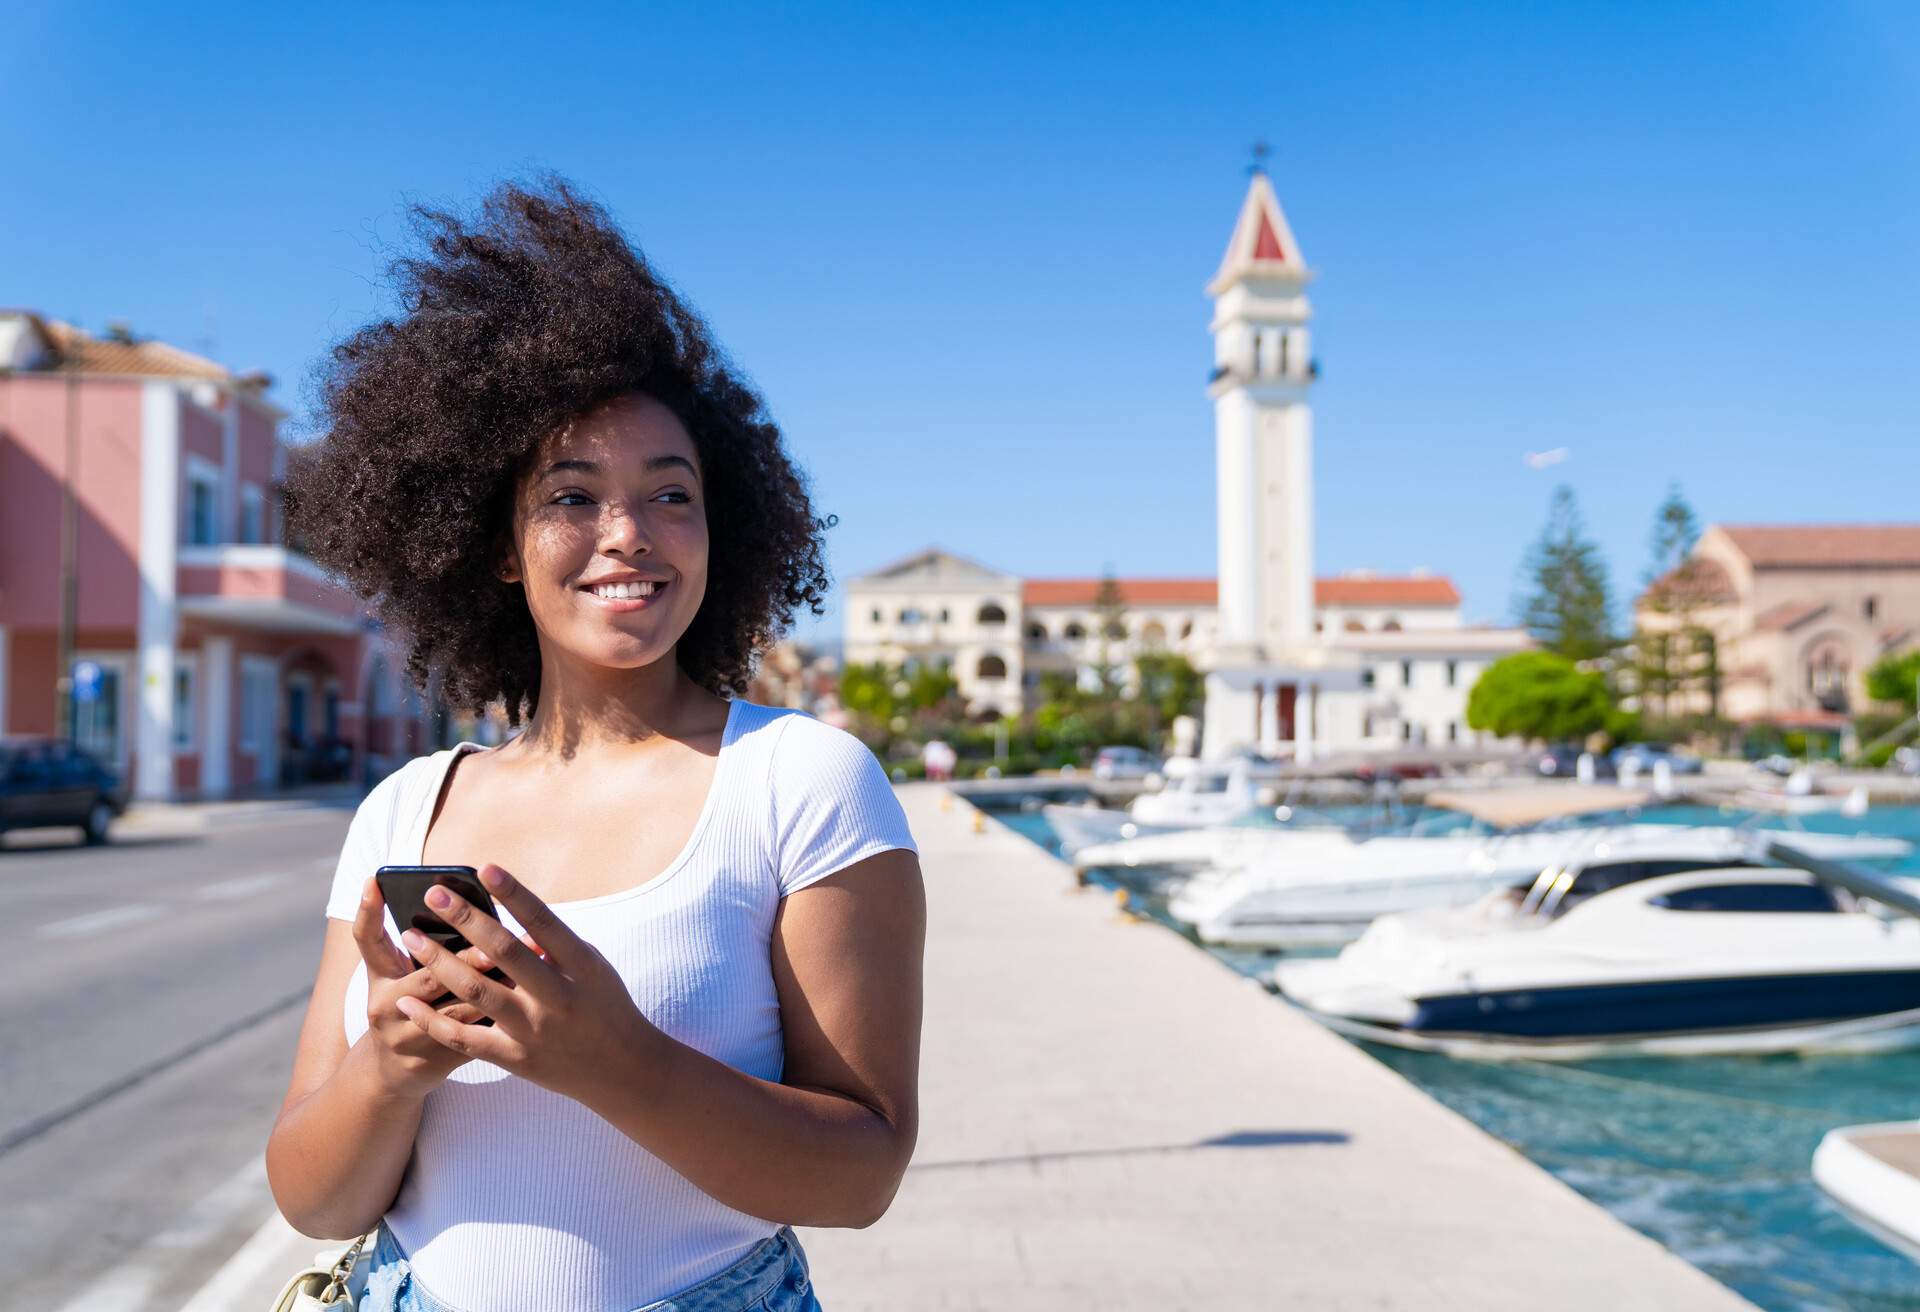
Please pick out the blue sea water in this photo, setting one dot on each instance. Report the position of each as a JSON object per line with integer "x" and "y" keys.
{"x": 1708, "y": 1155}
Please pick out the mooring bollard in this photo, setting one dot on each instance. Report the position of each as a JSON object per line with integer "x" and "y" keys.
{"x": 979, "y": 821}
{"x": 946, "y": 800}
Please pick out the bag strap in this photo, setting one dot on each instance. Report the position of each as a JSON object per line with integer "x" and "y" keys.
{"x": 343, "y": 1269}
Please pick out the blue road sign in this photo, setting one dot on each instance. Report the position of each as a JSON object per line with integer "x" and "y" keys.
{"x": 86, "y": 680}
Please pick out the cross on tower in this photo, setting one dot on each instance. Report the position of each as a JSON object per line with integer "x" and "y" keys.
{"x": 1260, "y": 152}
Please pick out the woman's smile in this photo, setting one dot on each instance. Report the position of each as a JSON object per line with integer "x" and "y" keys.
{"x": 625, "y": 596}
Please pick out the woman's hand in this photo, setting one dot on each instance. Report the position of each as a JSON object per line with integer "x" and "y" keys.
{"x": 409, "y": 1062}
{"x": 563, "y": 1019}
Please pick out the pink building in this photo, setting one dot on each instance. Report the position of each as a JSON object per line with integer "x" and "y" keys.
{"x": 227, "y": 663}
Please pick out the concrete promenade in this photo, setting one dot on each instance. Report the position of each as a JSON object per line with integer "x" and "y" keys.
{"x": 1112, "y": 1119}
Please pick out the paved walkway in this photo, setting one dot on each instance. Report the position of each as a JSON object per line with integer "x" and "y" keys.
{"x": 1111, "y": 1119}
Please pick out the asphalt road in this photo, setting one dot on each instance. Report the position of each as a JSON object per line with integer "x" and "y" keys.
{"x": 154, "y": 988}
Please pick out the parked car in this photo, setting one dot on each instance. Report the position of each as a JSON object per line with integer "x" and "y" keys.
{"x": 1563, "y": 762}
{"x": 1644, "y": 756}
{"x": 49, "y": 781}
{"x": 1124, "y": 763}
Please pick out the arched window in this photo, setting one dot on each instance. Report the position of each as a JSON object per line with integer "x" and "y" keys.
{"x": 1186, "y": 630}
{"x": 912, "y": 615}
{"x": 991, "y": 613}
{"x": 992, "y": 667}
{"x": 1153, "y": 633}
{"x": 1355, "y": 626}
{"x": 1036, "y": 631}
{"x": 1392, "y": 625}
{"x": 1075, "y": 630}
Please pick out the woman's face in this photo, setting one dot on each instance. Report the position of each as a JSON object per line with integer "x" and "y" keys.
{"x": 610, "y": 534}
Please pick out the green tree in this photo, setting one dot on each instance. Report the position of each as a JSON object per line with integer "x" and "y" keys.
{"x": 1676, "y": 530}
{"x": 1539, "y": 694}
{"x": 1110, "y": 624}
{"x": 1169, "y": 686}
{"x": 1895, "y": 679}
{"x": 1566, "y": 604}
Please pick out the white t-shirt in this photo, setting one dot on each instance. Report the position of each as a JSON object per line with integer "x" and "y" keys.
{"x": 517, "y": 1197}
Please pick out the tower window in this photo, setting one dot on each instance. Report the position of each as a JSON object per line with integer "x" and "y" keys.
{"x": 1870, "y": 607}
{"x": 1453, "y": 673}
{"x": 1406, "y": 674}
{"x": 1283, "y": 352}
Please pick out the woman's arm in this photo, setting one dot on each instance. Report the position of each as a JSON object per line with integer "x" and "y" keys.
{"x": 340, "y": 1144}
{"x": 827, "y": 1147}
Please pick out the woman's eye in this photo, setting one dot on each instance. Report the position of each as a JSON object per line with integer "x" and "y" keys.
{"x": 572, "y": 499}
{"x": 684, "y": 497}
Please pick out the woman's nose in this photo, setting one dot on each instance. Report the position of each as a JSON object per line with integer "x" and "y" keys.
{"x": 623, "y": 531}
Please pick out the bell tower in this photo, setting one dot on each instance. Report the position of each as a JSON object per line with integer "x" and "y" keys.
{"x": 1263, "y": 425}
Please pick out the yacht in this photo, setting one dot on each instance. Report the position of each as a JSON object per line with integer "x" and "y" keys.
{"x": 1199, "y": 798}
{"x": 1308, "y": 898}
{"x": 1322, "y": 895}
{"x": 1624, "y": 953}
{"x": 1873, "y": 1173}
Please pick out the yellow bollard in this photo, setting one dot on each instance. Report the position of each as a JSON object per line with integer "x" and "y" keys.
{"x": 946, "y": 800}
{"x": 979, "y": 821}
{"x": 1124, "y": 901}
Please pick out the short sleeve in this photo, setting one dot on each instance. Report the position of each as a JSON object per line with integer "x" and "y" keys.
{"x": 832, "y": 803}
{"x": 369, "y": 839}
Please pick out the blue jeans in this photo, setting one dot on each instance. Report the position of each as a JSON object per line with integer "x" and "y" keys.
{"x": 772, "y": 1277}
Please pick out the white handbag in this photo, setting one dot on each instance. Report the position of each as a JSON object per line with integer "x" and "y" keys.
{"x": 334, "y": 1283}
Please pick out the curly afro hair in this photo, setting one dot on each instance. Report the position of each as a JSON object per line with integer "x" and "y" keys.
{"x": 535, "y": 312}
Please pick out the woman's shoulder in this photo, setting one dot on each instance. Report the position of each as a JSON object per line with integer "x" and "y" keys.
{"x": 403, "y": 787}
{"x": 791, "y": 732}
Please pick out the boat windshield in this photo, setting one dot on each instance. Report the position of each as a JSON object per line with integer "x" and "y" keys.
{"x": 1565, "y": 891}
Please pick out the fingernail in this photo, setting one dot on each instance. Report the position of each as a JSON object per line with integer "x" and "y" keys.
{"x": 416, "y": 941}
{"x": 494, "y": 878}
{"x": 438, "y": 899}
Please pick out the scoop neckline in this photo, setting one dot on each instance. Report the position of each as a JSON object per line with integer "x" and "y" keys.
{"x": 728, "y": 736}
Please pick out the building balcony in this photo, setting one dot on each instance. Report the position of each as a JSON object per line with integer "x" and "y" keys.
{"x": 266, "y": 588}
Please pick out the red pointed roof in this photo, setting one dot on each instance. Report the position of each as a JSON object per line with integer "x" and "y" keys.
{"x": 1267, "y": 246}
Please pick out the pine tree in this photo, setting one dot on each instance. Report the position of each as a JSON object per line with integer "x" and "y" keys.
{"x": 1567, "y": 606}
{"x": 1110, "y": 622}
{"x": 1675, "y": 531}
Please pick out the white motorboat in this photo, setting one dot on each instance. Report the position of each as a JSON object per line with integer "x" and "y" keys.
{"x": 1201, "y": 797}
{"x": 1246, "y": 842}
{"x": 1620, "y": 954}
{"x": 1326, "y": 897}
{"x": 1873, "y": 1173}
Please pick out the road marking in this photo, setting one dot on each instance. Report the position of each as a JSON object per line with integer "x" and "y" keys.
{"x": 245, "y": 885}
{"x": 260, "y": 1267}
{"x": 97, "y": 922}
{"x": 132, "y": 1282}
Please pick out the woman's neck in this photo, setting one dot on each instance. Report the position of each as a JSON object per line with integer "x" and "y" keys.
{"x": 593, "y": 709}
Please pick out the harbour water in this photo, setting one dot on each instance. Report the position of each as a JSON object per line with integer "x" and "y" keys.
{"x": 1709, "y": 1156}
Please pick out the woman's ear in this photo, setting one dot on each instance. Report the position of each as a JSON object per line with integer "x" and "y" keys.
{"x": 508, "y": 568}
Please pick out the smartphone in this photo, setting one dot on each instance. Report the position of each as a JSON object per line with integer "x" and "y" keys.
{"x": 404, "y": 889}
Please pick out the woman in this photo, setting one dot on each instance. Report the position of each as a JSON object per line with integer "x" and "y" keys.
{"x": 711, "y": 917}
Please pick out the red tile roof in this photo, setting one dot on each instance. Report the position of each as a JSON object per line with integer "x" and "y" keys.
{"x": 1412, "y": 590}
{"x": 1133, "y": 592}
{"x": 1827, "y": 545}
{"x": 1701, "y": 581}
{"x": 1788, "y": 615}
{"x": 80, "y": 352}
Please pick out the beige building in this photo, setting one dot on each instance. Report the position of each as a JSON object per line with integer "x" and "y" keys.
{"x": 1414, "y": 660}
{"x": 1798, "y": 612}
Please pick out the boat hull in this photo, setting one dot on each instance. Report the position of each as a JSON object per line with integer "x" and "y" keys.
{"x": 1837, "y": 1011}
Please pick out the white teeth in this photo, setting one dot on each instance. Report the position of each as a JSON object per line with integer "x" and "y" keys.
{"x": 625, "y": 591}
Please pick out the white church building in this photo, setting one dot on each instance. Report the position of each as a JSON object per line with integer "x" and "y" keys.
{"x": 1294, "y": 664}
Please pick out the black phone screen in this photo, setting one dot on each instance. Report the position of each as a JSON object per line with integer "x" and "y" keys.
{"x": 404, "y": 889}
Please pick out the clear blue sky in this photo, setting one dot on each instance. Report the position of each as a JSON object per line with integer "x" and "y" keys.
{"x": 961, "y": 248}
